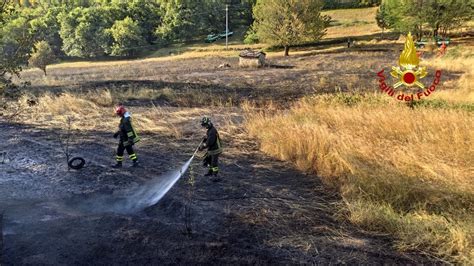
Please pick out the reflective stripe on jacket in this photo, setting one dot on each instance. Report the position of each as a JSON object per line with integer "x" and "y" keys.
{"x": 213, "y": 142}
{"x": 126, "y": 129}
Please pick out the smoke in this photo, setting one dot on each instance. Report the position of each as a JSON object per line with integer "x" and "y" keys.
{"x": 134, "y": 200}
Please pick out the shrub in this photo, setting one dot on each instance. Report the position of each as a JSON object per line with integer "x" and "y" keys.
{"x": 42, "y": 56}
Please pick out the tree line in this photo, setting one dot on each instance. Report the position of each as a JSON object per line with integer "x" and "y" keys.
{"x": 39, "y": 30}
{"x": 424, "y": 17}
{"x": 92, "y": 28}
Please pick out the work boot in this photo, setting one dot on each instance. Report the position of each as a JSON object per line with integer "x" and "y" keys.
{"x": 135, "y": 164}
{"x": 117, "y": 165}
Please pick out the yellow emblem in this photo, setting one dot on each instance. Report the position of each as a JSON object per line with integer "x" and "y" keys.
{"x": 408, "y": 73}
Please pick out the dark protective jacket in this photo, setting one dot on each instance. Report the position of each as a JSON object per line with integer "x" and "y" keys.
{"x": 126, "y": 130}
{"x": 213, "y": 141}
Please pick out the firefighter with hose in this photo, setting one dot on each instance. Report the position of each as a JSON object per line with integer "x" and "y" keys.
{"x": 212, "y": 143}
{"x": 128, "y": 137}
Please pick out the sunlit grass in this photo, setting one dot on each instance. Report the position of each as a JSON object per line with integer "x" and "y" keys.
{"x": 403, "y": 171}
{"x": 457, "y": 59}
{"x": 352, "y": 22}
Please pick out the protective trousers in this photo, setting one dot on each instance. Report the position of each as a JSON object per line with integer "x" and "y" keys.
{"x": 120, "y": 151}
{"x": 212, "y": 161}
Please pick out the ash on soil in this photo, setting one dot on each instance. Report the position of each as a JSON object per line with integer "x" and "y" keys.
{"x": 263, "y": 212}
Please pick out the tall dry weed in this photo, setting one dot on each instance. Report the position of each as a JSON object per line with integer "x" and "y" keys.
{"x": 401, "y": 170}
{"x": 458, "y": 59}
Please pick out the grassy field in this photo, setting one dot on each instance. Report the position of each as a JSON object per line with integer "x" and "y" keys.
{"x": 352, "y": 22}
{"x": 403, "y": 172}
{"x": 406, "y": 172}
{"x": 459, "y": 59}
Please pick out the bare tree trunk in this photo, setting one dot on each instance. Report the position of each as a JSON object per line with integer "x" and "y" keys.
{"x": 436, "y": 30}
{"x": 421, "y": 32}
{"x": 287, "y": 50}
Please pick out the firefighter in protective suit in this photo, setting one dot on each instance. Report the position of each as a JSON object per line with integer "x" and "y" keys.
{"x": 128, "y": 137}
{"x": 212, "y": 143}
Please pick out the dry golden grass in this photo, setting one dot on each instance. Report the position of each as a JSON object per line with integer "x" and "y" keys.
{"x": 407, "y": 172}
{"x": 94, "y": 111}
{"x": 363, "y": 14}
{"x": 457, "y": 59}
{"x": 191, "y": 52}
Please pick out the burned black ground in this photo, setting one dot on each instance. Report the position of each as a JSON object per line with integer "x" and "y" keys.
{"x": 263, "y": 212}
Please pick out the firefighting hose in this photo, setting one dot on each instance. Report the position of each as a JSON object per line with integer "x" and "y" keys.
{"x": 156, "y": 189}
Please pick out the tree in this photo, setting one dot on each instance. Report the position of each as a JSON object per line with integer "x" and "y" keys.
{"x": 418, "y": 15}
{"x": 183, "y": 20}
{"x": 381, "y": 17}
{"x": 397, "y": 16}
{"x": 248, "y": 6}
{"x": 178, "y": 22}
{"x": 83, "y": 31}
{"x": 14, "y": 45}
{"x": 446, "y": 15}
{"x": 369, "y": 3}
{"x": 148, "y": 16}
{"x": 5, "y": 8}
{"x": 251, "y": 37}
{"x": 45, "y": 26}
{"x": 211, "y": 16}
{"x": 289, "y": 22}
{"x": 42, "y": 55}
{"x": 127, "y": 37}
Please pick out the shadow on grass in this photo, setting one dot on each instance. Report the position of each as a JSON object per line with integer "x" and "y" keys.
{"x": 182, "y": 94}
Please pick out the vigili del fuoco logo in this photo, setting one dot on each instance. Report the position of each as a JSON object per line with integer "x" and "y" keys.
{"x": 408, "y": 74}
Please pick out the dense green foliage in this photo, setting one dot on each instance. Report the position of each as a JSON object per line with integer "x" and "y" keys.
{"x": 94, "y": 28}
{"x": 14, "y": 44}
{"x": 289, "y": 22}
{"x": 45, "y": 27}
{"x": 127, "y": 37}
{"x": 185, "y": 19}
{"x": 14, "y": 39}
{"x": 83, "y": 31}
{"x": 422, "y": 17}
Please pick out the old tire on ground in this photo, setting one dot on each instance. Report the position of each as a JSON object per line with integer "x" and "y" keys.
{"x": 76, "y": 163}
